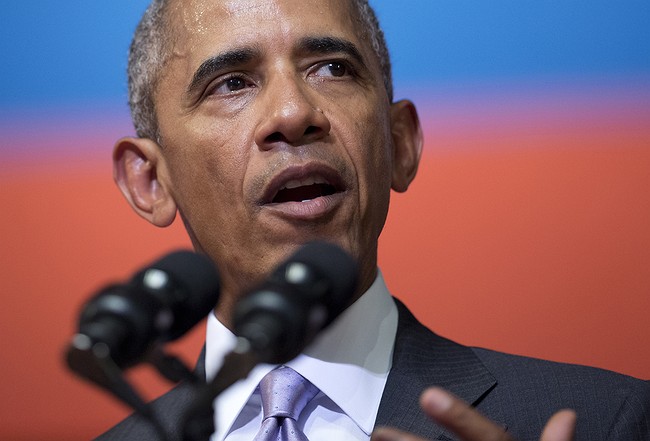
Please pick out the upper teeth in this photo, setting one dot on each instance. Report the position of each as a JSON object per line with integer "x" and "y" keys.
{"x": 295, "y": 183}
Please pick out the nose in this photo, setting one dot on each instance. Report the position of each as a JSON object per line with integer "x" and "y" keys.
{"x": 289, "y": 114}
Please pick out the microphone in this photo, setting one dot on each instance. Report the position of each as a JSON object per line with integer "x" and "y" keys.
{"x": 275, "y": 321}
{"x": 160, "y": 303}
{"x": 303, "y": 295}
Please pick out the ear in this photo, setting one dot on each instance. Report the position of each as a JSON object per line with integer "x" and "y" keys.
{"x": 138, "y": 170}
{"x": 407, "y": 143}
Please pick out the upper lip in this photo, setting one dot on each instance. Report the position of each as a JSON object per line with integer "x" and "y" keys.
{"x": 295, "y": 176}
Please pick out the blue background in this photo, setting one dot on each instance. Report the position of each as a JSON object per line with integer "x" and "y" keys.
{"x": 71, "y": 53}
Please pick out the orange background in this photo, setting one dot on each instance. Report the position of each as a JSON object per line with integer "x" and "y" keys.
{"x": 526, "y": 238}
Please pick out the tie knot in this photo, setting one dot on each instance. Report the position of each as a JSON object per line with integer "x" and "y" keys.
{"x": 285, "y": 393}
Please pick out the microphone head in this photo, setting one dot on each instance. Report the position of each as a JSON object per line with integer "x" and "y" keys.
{"x": 302, "y": 296}
{"x": 332, "y": 279}
{"x": 185, "y": 281}
{"x": 160, "y": 303}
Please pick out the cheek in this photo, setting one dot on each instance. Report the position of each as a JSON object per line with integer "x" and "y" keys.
{"x": 209, "y": 147}
{"x": 375, "y": 153}
{"x": 206, "y": 175}
{"x": 377, "y": 175}
{"x": 368, "y": 144}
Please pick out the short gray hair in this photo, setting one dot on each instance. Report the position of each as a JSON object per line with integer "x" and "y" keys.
{"x": 150, "y": 50}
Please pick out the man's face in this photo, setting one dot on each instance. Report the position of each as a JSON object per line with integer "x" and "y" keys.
{"x": 275, "y": 130}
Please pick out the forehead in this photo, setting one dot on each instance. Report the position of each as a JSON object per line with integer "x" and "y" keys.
{"x": 200, "y": 27}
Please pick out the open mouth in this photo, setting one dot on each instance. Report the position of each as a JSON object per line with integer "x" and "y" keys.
{"x": 314, "y": 183}
{"x": 303, "y": 190}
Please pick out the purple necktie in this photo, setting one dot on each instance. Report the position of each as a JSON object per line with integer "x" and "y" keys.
{"x": 285, "y": 393}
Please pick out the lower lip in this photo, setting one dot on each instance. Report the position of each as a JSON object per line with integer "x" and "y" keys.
{"x": 306, "y": 210}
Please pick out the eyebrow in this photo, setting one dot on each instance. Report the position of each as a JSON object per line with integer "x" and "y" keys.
{"x": 227, "y": 60}
{"x": 330, "y": 45}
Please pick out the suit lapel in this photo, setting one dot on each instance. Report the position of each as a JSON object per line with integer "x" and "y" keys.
{"x": 422, "y": 359}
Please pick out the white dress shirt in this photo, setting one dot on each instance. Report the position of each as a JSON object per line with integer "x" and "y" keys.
{"x": 349, "y": 362}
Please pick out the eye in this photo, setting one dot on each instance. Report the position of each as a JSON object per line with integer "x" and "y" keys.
{"x": 332, "y": 69}
{"x": 229, "y": 85}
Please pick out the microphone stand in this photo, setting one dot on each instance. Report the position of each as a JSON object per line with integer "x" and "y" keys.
{"x": 93, "y": 362}
{"x": 198, "y": 424}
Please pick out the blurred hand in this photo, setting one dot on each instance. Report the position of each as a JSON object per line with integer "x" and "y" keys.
{"x": 468, "y": 424}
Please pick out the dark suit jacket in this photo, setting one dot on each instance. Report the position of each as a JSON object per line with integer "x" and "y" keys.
{"x": 519, "y": 393}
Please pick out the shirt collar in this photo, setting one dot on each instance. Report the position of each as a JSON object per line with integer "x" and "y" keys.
{"x": 349, "y": 363}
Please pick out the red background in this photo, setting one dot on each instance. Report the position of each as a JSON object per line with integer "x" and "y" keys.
{"x": 527, "y": 235}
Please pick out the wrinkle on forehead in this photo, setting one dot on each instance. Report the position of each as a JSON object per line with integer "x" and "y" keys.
{"x": 194, "y": 20}
{"x": 243, "y": 7}
{"x": 198, "y": 16}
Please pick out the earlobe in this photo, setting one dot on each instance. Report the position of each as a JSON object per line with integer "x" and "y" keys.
{"x": 407, "y": 144}
{"x": 138, "y": 170}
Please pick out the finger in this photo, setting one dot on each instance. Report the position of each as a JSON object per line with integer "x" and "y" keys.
{"x": 459, "y": 417}
{"x": 561, "y": 427}
{"x": 386, "y": 434}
